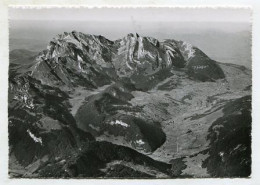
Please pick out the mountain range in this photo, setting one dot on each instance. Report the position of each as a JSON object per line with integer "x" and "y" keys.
{"x": 136, "y": 107}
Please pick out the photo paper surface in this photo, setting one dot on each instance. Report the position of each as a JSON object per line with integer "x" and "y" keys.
{"x": 130, "y": 93}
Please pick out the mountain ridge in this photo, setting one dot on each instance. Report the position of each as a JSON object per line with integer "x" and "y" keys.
{"x": 90, "y": 55}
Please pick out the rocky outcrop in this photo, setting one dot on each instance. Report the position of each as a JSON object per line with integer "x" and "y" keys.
{"x": 75, "y": 59}
{"x": 199, "y": 65}
{"x": 144, "y": 55}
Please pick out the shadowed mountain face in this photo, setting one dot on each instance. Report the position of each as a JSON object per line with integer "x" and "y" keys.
{"x": 230, "y": 138}
{"x": 135, "y": 107}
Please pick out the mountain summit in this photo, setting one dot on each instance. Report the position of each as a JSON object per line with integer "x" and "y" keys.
{"x": 72, "y": 58}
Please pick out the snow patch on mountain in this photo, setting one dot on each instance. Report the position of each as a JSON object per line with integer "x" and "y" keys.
{"x": 80, "y": 60}
{"x": 189, "y": 49}
{"x": 140, "y": 48}
{"x": 140, "y": 142}
{"x": 169, "y": 48}
{"x": 36, "y": 139}
{"x": 119, "y": 122}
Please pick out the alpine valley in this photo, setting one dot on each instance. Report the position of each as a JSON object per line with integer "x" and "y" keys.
{"x": 136, "y": 107}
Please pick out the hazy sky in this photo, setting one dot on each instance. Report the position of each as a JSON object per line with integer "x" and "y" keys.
{"x": 117, "y": 22}
{"x": 131, "y": 14}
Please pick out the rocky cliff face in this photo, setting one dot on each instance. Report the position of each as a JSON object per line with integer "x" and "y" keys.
{"x": 77, "y": 59}
{"x": 158, "y": 105}
{"x": 144, "y": 55}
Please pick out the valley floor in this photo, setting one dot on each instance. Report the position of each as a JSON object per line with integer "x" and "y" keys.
{"x": 185, "y": 113}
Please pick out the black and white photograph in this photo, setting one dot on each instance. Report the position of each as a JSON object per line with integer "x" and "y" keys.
{"x": 129, "y": 93}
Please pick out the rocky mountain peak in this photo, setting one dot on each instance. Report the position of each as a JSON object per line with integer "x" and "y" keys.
{"x": 74, "y": 57}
